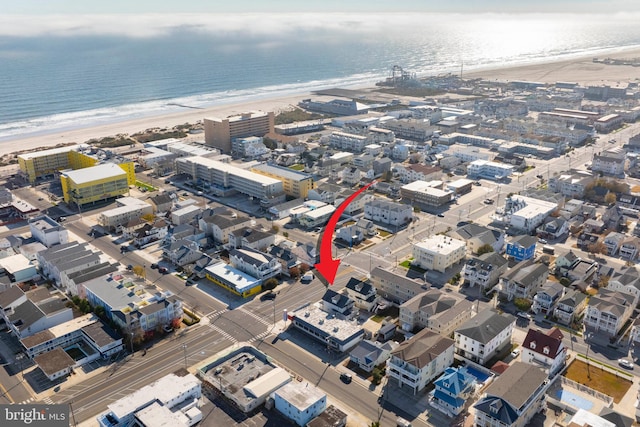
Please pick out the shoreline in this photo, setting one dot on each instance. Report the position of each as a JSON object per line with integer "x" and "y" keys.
{"x": 580, "y": 69}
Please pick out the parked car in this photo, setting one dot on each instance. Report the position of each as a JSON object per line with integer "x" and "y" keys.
{"x": 154, "y": 265}
{"x": 268, "y": 296}
{"x": 129, "y": 267}
{"x": 542, "y": 241}
{"x": 346, "y": 378}
{"x": 163, "y": 270}
{"x": 515, "y": 353}
{"x": 625, "y": 363}
{"x": 440, "y": 215}
{"x": 488, "y": 201}
{"x": 307, "y": 277}
{"x": 523, "y": 315}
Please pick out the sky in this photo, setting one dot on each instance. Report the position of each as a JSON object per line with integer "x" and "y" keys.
{"x": 226, "y": 6}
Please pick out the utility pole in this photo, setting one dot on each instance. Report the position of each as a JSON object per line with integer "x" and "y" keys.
{"x": 184, "y": 347}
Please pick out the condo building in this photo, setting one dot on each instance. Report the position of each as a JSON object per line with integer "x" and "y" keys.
{"x": 219, "y": 133}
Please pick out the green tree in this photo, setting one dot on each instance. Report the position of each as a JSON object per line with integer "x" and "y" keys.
{"x": 270, "y": 284}
{"x": 610, "y": 199}
{"x": 522, "y": 304}
{"x": 99, "y": 311}
{"x": 484, "y": 249}
{"x": 416, "y": 209}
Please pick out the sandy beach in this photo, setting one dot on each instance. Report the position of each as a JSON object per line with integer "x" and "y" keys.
{"x": 580, "y": 70}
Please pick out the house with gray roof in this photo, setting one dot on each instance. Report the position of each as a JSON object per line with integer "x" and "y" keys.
{"x": 546, "y": 296}
{"x": 257, "y": 264}
{"x": 513, "y": 398}
{"x": 436, "y": 310}
{"x": 68, "y": 257}
{"x": 395, "y": 287}
{"x": 362, "y": 293}
{"x": 369, "y": 354}
{"x": 484, "y": 270}
{"x": 182, "y": 252}
{"x": 477, "y": 236}
{"x": 417, "y": 361}
{"x": 485, "y": 335}
{"x": 337, "y": 304}
{"x": 219, "y": 226}
{"x": 161, "y": 203}
{"x": 37, "y": 314}
{"x": 10, "y": 298}
{"x": 524, "y": 279}
{"x": 570, "y": 306}
{"x": 608, "y": 311}
{"x": 626, "y": 280}
{"x": 251, "y": 238}
{"x": 72, "y": 282}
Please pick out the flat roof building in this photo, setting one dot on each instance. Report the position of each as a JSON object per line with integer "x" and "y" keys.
{"x": 295, "y": 184}
{"x": 219, "y": 133}
{"x": 335, "y": 333}
{"x": 96, "y": 183}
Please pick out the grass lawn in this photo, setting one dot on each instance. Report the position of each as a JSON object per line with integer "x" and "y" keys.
{"x": 383, "y": 233}
{"x": 297, "y": 167}
{"x": 601, "y": 380}
{"x": 141, "y": 184}
{"x": 377, "y": 318}
{"x": 406, "y": 264}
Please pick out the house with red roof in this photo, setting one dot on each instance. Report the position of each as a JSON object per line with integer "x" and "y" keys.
{"x": 544, "y": 350}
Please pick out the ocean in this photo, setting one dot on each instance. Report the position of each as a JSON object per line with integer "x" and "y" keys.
{"x": 61, "y": 79}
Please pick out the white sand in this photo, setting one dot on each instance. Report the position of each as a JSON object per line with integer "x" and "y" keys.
{"x": 579, "y": 70}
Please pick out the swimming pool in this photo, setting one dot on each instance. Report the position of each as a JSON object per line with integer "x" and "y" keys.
{"x": 481, "y": 377}
{"x": 574, "y": 400}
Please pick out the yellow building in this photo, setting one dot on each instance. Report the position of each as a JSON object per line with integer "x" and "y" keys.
{"x": 96, "y": 183}
{"x": 47, "y": 162}
{"x": 295, "y": 184}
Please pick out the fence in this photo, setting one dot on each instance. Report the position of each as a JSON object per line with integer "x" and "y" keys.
{"x": 584, "y": 389}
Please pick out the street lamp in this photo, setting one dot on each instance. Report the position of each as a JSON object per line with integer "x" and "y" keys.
{"x": 131, "y": 341}
{"x": 184, "y": 347}
{"x": 588, "y": 337}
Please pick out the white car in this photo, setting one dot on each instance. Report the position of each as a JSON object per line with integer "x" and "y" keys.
{"x": 515, "y": 353}
{"x": 625, "y": 363}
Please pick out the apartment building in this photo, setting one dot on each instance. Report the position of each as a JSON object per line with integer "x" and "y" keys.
{"x": 610, "y": 162}
{"x": 219, "y": 133}
{"x": 414, "y": 363}
{"x": 523, "y": 280}
{"x": 426, "y": 194}
{"x": 484, "y": 270}
{"x": 37, "y": 164}
{"x": 438, "y": 311}
{"x": 254, "y": 263}
{"x": 489, "y": 170}
{"x": 295, "y": 184}
{"x": 483, "y": 336}
{"x": 128, "y": 208}
{"x": 224, "y": 178}
{"x": 608, "y": 311}
{"x": 572, "y": 183}
{"x": 438, "y": 252}
{"x": 47, "y": 231}
{"x": 385, "y": 212}
{"x": 97, "y": 183}
{"x": 395, "y": 287}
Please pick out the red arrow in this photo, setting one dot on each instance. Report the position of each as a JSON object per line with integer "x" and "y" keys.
{"x": 328, "y": 267}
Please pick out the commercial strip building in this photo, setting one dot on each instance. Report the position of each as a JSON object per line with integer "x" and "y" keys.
{"x": 337, "y": 334}
{"x": 426, "y": 193}
{"x": 232, "y": 279}
{"x": 171, "y": 400}
{"x": 219, "y": 133}
{"x": 226, "y": 179}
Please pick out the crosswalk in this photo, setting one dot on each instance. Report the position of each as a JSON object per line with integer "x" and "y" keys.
{"x": 223, "y": 333}
{"x": 24, "y": 402}
{"x": 255, "y": 316}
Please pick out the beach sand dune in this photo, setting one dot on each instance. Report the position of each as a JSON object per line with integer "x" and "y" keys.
{"x": 580, "y": 70}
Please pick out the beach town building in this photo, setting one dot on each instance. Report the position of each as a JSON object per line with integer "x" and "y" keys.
{"x": 335, "y": 333}
{"x": 219, "y": 133}
{"x": 386, "y": 212}
{"x": 426, "y": 193}
{"x": 95, "y": 183}
{"x": 257, "y": 264}
{"x": 513, "y": 398}
{"x": 527, "y": 213}
{"x": 131, "y": 306}
{"x": 545, "y": 350}
{"x": 363, "y": 294}
{"x": 225, "y": 179}
{"x": 521, "y": 247}
{"x": 369, "y": 354}
{"x": 477, "y": 236}
{"x": 546, "y": 297}
{"x": 523, "y": 279}
{"x": 415, "y": 362}
{"x": 47, "y": 231}
{"x": 220, "y": 226}
{"x": 38, "y": 164}
{"x": 626, "y": 280}
{"x": 438, "y": 311}
{"x": 299, "y": 402}
{"x": 171, "y": 400}
{"x": 40, "y": 310}
{"x": 128, "y": 208}
{"x": 572, "y": 183}
{"x": 411, "y": 129}
{"x": 295, "y": 184}
{"x": 438, "y": 252}
{"x": 484, "y": 270}
{"x": 608, "y": 311}
{"x": 249, "y": 148}
{"x": 488, "y": 169}
{"x": 395, "y": 287}
{"x": 66, "y": 258}
{"x": 570, "y": 306}
{"x": 609, "y": 162}
{"x": 452, "y": 390}
{"x": 18, "y": 268}
{"x": 483, "y": 336}
{"x": 232, "y": 279}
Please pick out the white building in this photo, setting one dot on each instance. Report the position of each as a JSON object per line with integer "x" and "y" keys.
{"x": 300, "y": 402}
{"x": 419, "y": 360}
{"x": 394, "y": 214}
{"x": 527, "y": 213}
{"x": 336, "y": 334}
{"x": 544, "y": 350}
{"x": 484, "y": 335}
{"x": 610, "y": 162}
{"x": 184, "y": 215}
{"x": 489, "y": 170}
{"x": 316, "y": 217}
{"x": 171, "y": 400}
{"x": 47, "y": 231}
{"x": 128, "y": 208}
{"x": 438, "y": 252}
{"x": 256, "y": 264}
{"x": 608, "y": 311}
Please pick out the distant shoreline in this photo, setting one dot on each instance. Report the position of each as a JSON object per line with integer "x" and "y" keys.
{"x": 579, "y": 70}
